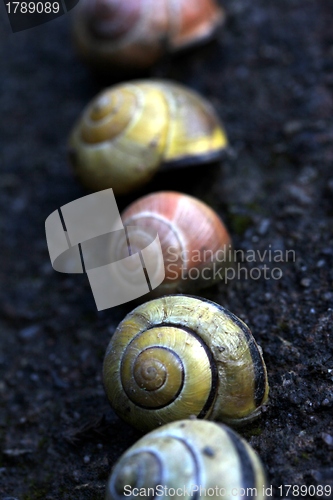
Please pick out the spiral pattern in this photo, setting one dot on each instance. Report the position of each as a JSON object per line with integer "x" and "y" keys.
{"x": 108, "y": 115}
{"x": 136, "y": 33}
{"x": 180, "y": 356}
{"x": 159, "y": 362}
{"x": 131, "y": 130}
{"x": 182, "y": 224}
{"x": 185, "y": 455}
{"x": 110, "y": 20}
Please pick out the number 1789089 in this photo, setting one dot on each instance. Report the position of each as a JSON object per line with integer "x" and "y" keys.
{"x": 33, "y": 7}
{"x": 289, "y": 490}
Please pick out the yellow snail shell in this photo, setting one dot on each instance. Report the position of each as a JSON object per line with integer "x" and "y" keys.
{"x": 194, "y": 241}
{"x": 188, "y": 459}
{"x": 136, "y": 33}
{"x": 130, "y": 130}
{"x": 179, "y": 356}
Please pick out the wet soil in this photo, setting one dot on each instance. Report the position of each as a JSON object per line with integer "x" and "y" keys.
{"x": 270, "y": 76}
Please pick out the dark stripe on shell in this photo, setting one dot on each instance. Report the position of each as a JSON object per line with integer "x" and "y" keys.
{"x": 175, "y": 395}
{"x": 191, "y": 161}
{"x": 260, "y": 377}
{"x": 213, "y": 367}
{"x": 247, "y": 469}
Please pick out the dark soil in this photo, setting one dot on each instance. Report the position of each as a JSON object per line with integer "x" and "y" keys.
{"x": 270, "y": 76}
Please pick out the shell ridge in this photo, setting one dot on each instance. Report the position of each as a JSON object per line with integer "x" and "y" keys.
{"x": 220, "y": 376}
{"x": 260, "y": 375}
{"x": 176, "y": 394}
{"x": 167, "y": 222}
{"x": 193, "y": 453}
{"x": 198, "y": 475}
{"x": 136, "y": 32}
{"x": 212, "y": 364}
{"x": 132, "y": 454}
{"x": 248, "y": 472}
{"x": 173, "y": 115}
{"x": 139, "y": 95}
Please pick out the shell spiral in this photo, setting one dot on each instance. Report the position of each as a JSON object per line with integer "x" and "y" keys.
{"x": 194, "y": 241}
{"x": 186, "y": 455}
{"x": 136, "y": 33}
{"x": 181, "y": 356}
{"x": 128, "y": 131}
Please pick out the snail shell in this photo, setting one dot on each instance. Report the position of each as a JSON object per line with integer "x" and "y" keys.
{"x": 136, "y": 33}
{"x": 192, "y": 458}
{"x": 179, "y": 356}
{"x": 128, "y": 131}
{"x": 194, "y": 241}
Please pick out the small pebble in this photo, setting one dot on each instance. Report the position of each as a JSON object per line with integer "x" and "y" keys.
{"x": 327, "y": 438}
{"x": 299, "y": 194}
{"x": 263, "y": 226}
{"x": 29, "y": 332}
{"x": 293, "y": 127}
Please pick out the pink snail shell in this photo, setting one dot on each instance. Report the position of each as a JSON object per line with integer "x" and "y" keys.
{"x": 194, "y": 241}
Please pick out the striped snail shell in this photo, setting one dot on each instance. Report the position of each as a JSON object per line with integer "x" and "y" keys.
{"x": 131, "y": 130}
{"x": 188, "y": 459}
{"x": 179, "y": 356}
{"x": 136, "y": 33}
{"x": 194, "y": 241}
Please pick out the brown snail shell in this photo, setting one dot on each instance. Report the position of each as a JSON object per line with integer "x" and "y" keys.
{"x": 189, "y": 459}
{"x": 131, "y": 130}
{"x": 180, "y": 356}
{"x": 136, "y": 33}
{"x": 194, "y": 241}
